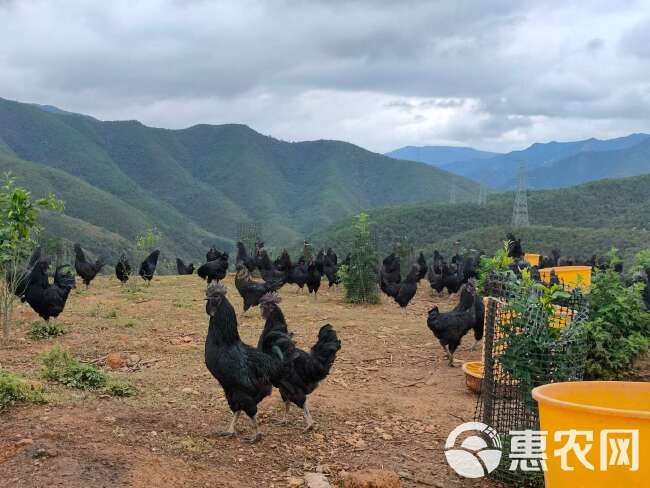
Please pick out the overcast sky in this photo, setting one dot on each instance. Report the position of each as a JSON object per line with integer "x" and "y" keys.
{"x": 496, "y": 75}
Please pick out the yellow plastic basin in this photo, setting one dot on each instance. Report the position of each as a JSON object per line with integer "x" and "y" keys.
{"x": 572, "y": 276}
{"x": 533, "y": 259}
{"x": 473, "y": 375}
{"x": 602, "y": 408}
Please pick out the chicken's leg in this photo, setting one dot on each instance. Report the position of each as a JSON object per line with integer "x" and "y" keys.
{"x": 451, "y": 357}
{"x": 309, "y": 422}
{"x": 231, "y": 432}
{"x": 285, "y": 417}
{"x": 257, "y": 435}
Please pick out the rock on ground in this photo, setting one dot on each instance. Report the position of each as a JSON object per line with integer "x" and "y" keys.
{"x": 373, "y": 478}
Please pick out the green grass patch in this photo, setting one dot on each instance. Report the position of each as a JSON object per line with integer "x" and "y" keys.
{"x": 121, "y": 389}
{"x": 14, "y": 389}
{"x": 59, "y": 365}
{"x": 41, "y": 330}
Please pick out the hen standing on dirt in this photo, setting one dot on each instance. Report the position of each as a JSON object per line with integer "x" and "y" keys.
{"x": 251, "y": 291}
{"x": 215, "y": 269}
{"x": 86, "y": 270}
{"x": 449, "y": 328}
{"x": 303, "y": 371}
{"x": 148, "y": 266}
{"x": 123, "y": 269}
{"x": 48, "y": 300}
{"x": 314, "y": 276}
{"x": 245, "y": 373}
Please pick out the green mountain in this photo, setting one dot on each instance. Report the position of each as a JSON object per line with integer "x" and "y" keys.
{"x": 581, "y": 220}
{"x": 200, "y": 185}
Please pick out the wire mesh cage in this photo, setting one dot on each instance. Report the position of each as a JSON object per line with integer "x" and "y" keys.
{"x": 249, "y": 233}
{"x": 533, "y": 336}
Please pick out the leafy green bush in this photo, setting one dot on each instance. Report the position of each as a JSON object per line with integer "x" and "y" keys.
{"x": 45, "y": 330}
{"x": 618, "y": 329}
{"x": 500, "y": 263}
{"x": 15, "y": 389}
{"x": 641, "y": 260}
{"x": 59, "y": 365}
{"x": 121, "y": 389}
{"x": 359, "y": 277}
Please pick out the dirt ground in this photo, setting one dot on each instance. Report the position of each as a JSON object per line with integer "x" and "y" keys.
{"x": 390, "y": 401}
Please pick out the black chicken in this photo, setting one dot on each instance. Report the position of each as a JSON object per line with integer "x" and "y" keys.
{"x": 268, "y": 270}
{"x": 245, "y": 373}
{"x": 148, "y": 266}
{"x": 314, "y": 276}
{"x": 422, "y": 263}
{"x": 330, "y": 267}
{"x": 449, "y": 328}
{"x": 251, "y": 291}
{"x": 435, "y": 278}
{"x": 390, "y": 274}
{"x": 212, "y": 254}
{"x": 184, "y": 269}
{"x": 123, "y": 269}
{"x": 303, "y": 371}
{"x": 244, "y": 258}
{"x": 452, "y": 277}
{"x": 48, "y": 300}
{"x": 85, "y": 269}
{"x": 404, "y": 292}
{"x": 298, "y": 273}
{"x": 469, "y": 298}
{"x": 215, "y": 269}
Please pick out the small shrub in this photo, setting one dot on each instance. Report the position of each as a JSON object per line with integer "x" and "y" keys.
{"x": 15, "y": 389}
{"x": 618, "y": 329}
{"x": 41, "y": 330}
{"x": 60, "y": 366}
{"x": 121, "y": 389}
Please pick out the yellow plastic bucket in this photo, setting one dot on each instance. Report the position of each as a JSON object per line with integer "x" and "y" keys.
{"x": 533, "y": 259}
{"x": 572, "y": 276}
{"x": 612, "y": 411}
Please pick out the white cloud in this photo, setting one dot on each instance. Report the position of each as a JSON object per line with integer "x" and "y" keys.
{"x": 496, "y": 75}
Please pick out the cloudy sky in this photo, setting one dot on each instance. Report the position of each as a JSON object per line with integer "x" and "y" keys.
{"x": 496, "y": 74}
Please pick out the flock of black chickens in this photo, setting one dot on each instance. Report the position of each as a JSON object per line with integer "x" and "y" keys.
{"x": 248, "y": 374}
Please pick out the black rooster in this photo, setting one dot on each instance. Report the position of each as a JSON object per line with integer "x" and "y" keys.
{"x": 184, "y": 269}
{"x": 422, "y": 263}
{"x": 245, "y": 373}
{"x": 48, "y": 300}
{"x": 303, "y": 371}
{"x": 148, "y": 266}
{"x": 85, "y": 269}
{"x": 123, "y": 269}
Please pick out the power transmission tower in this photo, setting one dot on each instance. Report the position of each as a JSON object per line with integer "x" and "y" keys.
{"x": 452, "y": 195}
{"x": 482, "y": 195}
{"x": 520, "y": 210}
